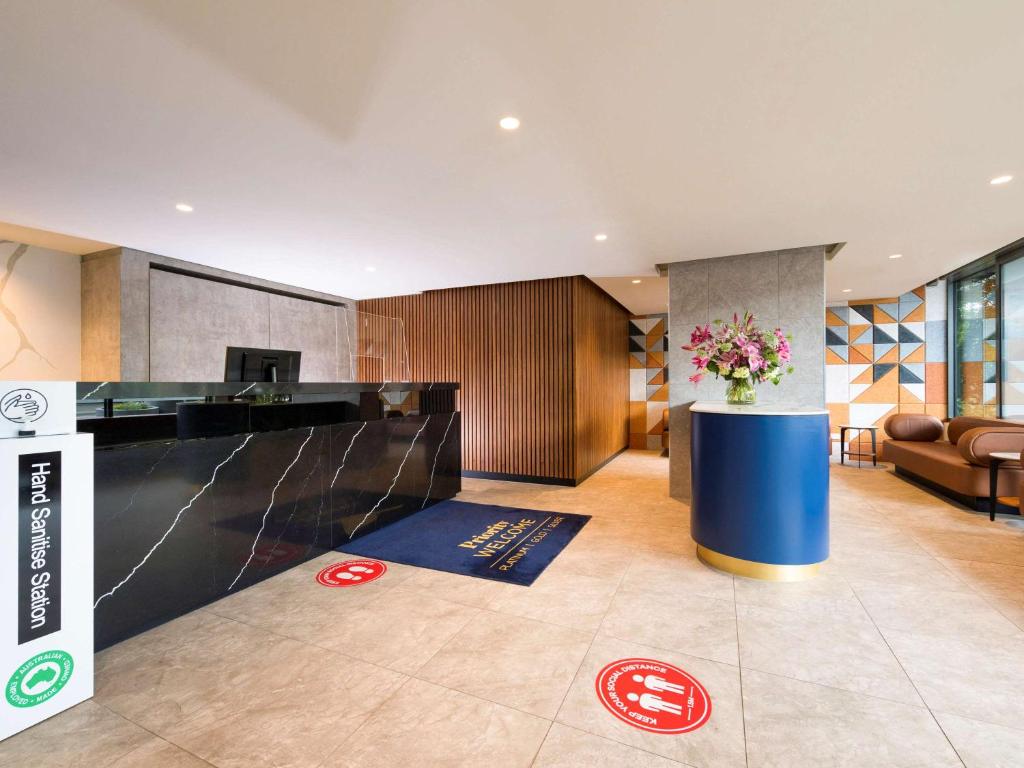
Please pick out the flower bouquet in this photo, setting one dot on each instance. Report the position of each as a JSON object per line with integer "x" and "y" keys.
{"x": 742, "y": 353}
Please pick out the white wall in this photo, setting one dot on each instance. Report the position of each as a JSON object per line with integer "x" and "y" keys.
{"x": 40, "y": 313}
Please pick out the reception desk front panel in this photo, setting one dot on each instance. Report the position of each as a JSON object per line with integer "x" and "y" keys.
{"x": 760, "y": 489}
{"x": 182, "y": 522}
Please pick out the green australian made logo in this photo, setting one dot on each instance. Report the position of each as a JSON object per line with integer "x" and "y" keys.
{"x": 39, "y": 679}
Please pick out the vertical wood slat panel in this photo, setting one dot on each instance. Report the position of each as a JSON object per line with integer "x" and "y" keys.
{"x": 543, "y": 369}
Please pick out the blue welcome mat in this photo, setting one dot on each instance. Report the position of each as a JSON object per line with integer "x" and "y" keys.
{"x": 502, "y": 543}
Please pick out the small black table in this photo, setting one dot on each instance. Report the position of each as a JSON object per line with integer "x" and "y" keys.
{"x": 843, "y": 453}
{"x": 995, "y": 461}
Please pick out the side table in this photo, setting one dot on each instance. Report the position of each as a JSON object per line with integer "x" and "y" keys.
{"x": 843, "y": 453}
{"x": 996, "y": 460}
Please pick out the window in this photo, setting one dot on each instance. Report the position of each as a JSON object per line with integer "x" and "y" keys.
{"x": 987, "y": 336}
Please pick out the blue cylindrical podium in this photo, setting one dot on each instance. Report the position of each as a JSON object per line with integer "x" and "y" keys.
{"x": 759, "y": 504}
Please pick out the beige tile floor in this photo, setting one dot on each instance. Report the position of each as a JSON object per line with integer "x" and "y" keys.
{"x": 907, "y": 651}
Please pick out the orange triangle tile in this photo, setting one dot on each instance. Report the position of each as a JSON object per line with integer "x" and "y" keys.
{"x": 917, "y": 316}
{"x": 919, "y": 292}
{"x": 883, "y": 317}
{"x": 864, "y": 378}
{"x": 661, "y": 396}
{"x": 657, "y": 331}
{"x": 658, "y": 378}
{"x": 634, "y": 363}
{"x": 856, "y": 356}
{"x": 885, "y": 390}
{"x": 867, "y": 351}
{"x": 857, "y": 330}
{"x": 655, "y": 359}
{"x": 831, "y": 318}
{"x": 917, "y": 356}
{"x": 892, "y": 356}
{"x": 906, "y": 396}
{"x": 831, "y": 358}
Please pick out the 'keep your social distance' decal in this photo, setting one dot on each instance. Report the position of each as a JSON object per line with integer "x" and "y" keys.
{"x": 653, "y": 696}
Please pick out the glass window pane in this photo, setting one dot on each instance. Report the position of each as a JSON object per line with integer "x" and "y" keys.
{"x": 976, "y": 331}
{"x": 1013, "y": 339}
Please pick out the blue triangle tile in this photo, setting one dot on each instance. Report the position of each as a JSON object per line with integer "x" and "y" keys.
{"x": 882, "y": 349}
{"x": 837, "y": 335}
{"x": 865, "y": 338}
{"x": 907, "y": 349}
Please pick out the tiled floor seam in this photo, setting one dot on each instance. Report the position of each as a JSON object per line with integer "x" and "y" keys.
{"x": 369, "y": 716}
{"x": 739, "y": 666}
{"x": 583, "y": 659}
{"x": 151, "y": 733}
{"x": 912, "y": 683}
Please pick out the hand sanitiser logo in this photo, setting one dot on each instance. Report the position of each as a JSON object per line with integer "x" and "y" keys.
{"x": 23, "y": 406}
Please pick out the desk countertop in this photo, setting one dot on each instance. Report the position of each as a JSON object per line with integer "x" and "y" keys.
{"x": 766, "y": 409}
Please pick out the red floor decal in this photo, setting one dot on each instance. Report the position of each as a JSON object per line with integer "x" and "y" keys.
{"x": 653, "y": 696}
{"x": 351, "y": 573}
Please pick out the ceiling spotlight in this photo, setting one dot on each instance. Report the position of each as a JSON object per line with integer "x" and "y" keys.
{"x": 509, "y": 123}
{"x": 896, "y": 256}
{"x": 370, "y": 269}
{"x": 635, "y": 282}
{"x": 1001, "y": 180}
{"x": 601, "y": 237}
{"x": 184, "y": 207}
{"x": 847, "y": 290}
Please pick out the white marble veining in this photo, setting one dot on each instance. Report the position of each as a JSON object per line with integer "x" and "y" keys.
{"x": 433, "y": 469}
{"x": 174, "y": 522}
{"x": 24, "y": 345}
{"x": 145, "y": 478}
{"x": 93, "y": 391}
{"x": 273, "y": 493}
{"x": 773, "y": 409}
{"x": 302, "y": 494}
{"x": 394, "y": 482}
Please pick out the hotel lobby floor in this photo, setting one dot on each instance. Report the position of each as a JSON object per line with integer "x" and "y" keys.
{"x": 908, "y": 650}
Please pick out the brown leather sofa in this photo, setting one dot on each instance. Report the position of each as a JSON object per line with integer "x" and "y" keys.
{"x": 957, "y": 462}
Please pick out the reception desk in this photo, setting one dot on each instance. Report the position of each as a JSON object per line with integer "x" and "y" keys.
{"x": 760, "y": 489}
{"x": 204, "y": 489}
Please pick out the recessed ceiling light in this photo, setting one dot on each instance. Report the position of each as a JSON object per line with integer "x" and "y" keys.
{"x": 184, "y": 207}
{"x": 637, "y": 281}
{"x": 896, "y": 256}
{"x": 370, "y": 269}
{"x": 509, "y": 123}
{"x": 847, "y": 290}
{"x": 601, "y": 237}
{"x": 1001, "y": 180}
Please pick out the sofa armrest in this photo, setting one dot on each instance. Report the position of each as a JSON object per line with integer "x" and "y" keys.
{"x": 976, "y": 445}
{"x": 915, "y": 427}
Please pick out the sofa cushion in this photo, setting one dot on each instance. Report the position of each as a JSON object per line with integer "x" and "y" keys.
{"x": 942, "y": 464}
{"x": 961, "y": 424}
{"x": 918, "y": 427}
{"x": 977, "y": 445}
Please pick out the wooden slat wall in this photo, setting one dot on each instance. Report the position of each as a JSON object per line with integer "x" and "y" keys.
{"x": 511, "y": 347}
{"x": 601, "y": 352}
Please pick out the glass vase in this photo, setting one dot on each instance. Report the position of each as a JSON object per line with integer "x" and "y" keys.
{"x": 741, "y": 392}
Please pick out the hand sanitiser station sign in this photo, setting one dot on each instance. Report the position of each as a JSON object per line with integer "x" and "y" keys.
{"x": 46, "y": 554}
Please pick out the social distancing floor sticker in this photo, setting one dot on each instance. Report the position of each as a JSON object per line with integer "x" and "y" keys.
{"x": 653, "y": 696}
{"x": 351, "y": 573}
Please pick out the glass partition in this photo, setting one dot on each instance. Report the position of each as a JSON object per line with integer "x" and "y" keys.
{"x": 975, "y": 345}
{"x": 1012, "y": 367}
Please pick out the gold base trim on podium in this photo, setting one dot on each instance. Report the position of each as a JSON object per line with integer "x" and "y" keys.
{"x": 754, "y": 570}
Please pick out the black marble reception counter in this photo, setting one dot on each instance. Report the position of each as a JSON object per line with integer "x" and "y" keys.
{"x": 200, "y": 492}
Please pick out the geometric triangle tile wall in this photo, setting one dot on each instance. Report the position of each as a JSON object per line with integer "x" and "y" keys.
{"x": 648, "y": 343}
{"x": 886, "y": 356}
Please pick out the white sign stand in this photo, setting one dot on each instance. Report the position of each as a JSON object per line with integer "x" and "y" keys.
{"x": 46, "y": 554}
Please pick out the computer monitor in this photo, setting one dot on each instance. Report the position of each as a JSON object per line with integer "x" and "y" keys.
{"x": 251, "y": 364}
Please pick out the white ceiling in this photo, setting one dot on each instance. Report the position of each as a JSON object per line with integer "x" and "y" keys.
{"x": 318, "y": 138}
